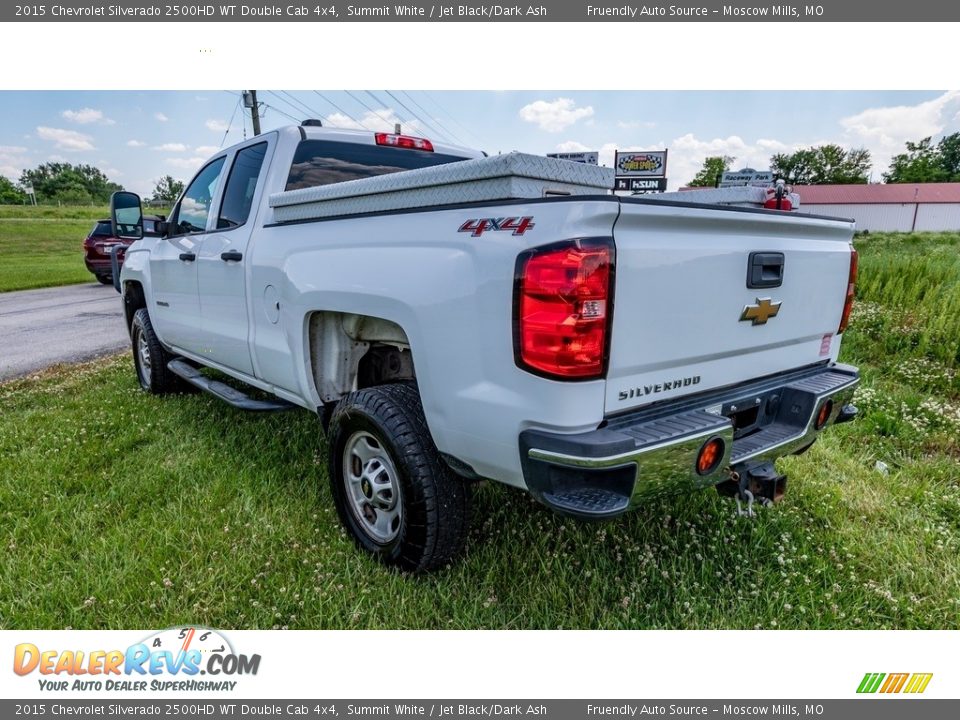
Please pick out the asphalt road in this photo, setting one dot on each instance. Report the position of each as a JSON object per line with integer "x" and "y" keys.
{"x": 73, "y": 323}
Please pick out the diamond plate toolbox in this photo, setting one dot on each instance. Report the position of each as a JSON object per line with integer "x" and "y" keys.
{"x": 512, "y": 176}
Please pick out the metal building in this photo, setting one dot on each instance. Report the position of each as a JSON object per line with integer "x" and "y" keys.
{"x": 899, "y": 207}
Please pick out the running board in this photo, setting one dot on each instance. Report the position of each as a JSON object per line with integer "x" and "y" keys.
{"x": 182, "y": 369}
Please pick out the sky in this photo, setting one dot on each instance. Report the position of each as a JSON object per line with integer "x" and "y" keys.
{"x": 139, "y": 137}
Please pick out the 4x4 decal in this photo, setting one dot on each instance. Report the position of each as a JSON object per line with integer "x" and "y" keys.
{"x": 477, "y": 227}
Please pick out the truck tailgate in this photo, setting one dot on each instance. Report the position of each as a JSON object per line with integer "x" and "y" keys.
{"x": 682, "y": 275}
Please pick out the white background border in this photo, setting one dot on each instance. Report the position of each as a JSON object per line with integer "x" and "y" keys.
{"x": 487, "y": 56}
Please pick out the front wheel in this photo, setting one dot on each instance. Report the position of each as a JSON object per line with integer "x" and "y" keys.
{"x": 149, "y": 358}
{"x": 393, "y": 491}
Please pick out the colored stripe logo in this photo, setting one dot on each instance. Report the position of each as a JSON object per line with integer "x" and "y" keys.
{"x": 912, "y": 683}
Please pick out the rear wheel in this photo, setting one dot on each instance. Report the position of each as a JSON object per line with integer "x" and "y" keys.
{"x": 105, "y": 279}
{"x": 149, "y": 357}
{"x": 392, "y": 489}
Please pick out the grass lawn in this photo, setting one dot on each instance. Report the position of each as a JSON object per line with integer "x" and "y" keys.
{"x": 54, "y": 212}
{"x": 121, "y": 510}
{"x": 41, "y": 246}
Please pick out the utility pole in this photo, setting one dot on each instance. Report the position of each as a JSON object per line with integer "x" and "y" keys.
{"x": 250, "y": 101}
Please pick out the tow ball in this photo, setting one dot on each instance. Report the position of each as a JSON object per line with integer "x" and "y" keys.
{"x": 753, "y": 482}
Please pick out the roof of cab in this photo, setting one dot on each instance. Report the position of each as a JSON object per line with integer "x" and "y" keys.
{"x": 364, "y": 137}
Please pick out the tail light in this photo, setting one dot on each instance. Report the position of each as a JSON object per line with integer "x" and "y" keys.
{"x": 404, "y": 141}
{"x": 824, "y": 415}
{"x": 710, "y": 455}
{"x": 563, "y": 309}
{"x": 851, "y": 291}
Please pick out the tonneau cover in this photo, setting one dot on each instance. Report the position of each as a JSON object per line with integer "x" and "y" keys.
{"x": 502, "y": 177}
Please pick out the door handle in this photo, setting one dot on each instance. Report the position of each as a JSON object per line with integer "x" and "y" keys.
{"x": 188, "y": 257}
{"x": 231, "y": 255}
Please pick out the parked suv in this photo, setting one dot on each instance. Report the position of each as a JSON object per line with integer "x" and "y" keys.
{"x": 99, "y": 242}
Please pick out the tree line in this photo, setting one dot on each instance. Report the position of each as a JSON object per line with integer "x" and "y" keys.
{"x": 67, "y": 184}
{"x": 830, "y": 164}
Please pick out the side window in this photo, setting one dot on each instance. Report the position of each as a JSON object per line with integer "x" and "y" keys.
{"x": 241, "y": 185}
{"x": 195, "y": 205}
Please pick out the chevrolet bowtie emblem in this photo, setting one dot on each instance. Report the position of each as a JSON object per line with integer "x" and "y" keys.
{"x": 761, "y": 312}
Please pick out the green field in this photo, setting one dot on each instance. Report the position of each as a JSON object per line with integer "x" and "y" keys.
{"x": 42, "y": 246}
{"x": 42, "y": 250}
{"x": 122, "y": 510}
{"x": 54, "y": 212}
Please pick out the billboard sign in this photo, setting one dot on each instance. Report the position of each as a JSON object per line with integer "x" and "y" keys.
{"x": 587, "y": 158}
{"x": 640, "y": 185}
{"x": 642, "y": 163}
{"x": 748, "y": 177}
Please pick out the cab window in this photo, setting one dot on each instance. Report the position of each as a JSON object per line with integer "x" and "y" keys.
{"x": 240, "y": 187}
{"x": 323, "y": 162}
{"x": 194, "y": 208}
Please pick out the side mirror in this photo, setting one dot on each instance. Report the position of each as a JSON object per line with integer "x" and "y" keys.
{"x": 126, "y": 215}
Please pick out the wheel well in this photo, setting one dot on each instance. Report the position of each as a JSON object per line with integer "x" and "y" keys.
{"x": 351, "y": 352}
{"x": 133, "y": 300}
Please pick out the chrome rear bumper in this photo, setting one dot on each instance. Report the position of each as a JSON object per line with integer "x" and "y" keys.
{"x": 634, "y": 457}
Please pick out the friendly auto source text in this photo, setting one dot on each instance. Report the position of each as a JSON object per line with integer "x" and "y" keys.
{"x": 632, "y": 11}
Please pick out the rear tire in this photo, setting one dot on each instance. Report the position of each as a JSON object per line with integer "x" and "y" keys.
{"x": 149, "y": 358}
{"x": 392, "y": 490}
{"x": 105, "y": 279}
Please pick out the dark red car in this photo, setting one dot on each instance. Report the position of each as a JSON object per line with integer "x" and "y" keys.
{"x": 99, "y": 242}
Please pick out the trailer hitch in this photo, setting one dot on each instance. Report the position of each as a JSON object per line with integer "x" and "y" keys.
{"x": 753, "y": 482}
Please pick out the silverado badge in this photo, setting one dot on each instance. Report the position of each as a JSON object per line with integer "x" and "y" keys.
{"x": 761, "y": 312}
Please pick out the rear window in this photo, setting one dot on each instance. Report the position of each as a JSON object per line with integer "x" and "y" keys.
{"x": 102, "y": 229}
{"x": 321, "y": 162}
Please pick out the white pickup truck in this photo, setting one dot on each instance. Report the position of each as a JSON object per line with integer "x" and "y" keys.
{"x": 453, "y": 317}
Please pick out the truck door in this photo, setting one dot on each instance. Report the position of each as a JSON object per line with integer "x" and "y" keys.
{"x": 222, "y": 265}
{"x": 173, "y": 266}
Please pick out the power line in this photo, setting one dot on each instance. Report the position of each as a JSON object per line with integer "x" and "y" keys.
{"x": 285, "y": 101}
{"x": 368, "y": 108}
{"x": 311, "y": 112}
{"x": 230, "y": 123}
{"x": 339, "y": 109}
{"x": 285, "y": 114}
{"x": 422, "y": 121}
{"x": 411, "y": 116}
{"x": 377, "y": 101}
{"x": 455, "y": 121}
{"x": 435, "y": 119}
